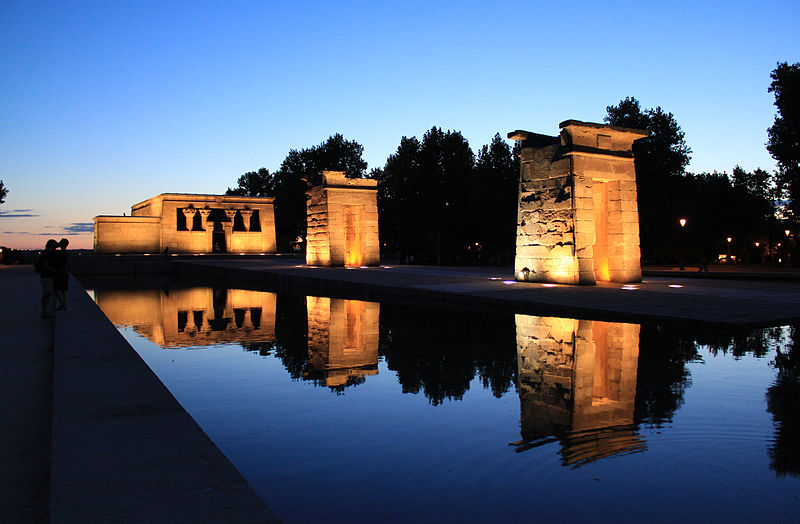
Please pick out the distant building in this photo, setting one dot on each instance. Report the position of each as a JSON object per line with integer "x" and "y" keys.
{"x": 183, "y": 223}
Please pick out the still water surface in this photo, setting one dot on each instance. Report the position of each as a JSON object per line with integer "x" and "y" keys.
{"x": 343, "y": 410}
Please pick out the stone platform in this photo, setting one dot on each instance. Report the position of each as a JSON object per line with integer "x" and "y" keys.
{"x": 672, "y": 298}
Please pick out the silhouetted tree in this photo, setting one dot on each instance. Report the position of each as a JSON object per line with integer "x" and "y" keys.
{"x": 425, "y": 193}
{"x": 784, "y": 135}
{"x": 398, "y": 190}
{"x": 3, "y": 192}
{"x": 303, "y": 168}
{"x": 494, "y": 196}
{"x": 254, "y": 183}
{"x": 659, "y": 159}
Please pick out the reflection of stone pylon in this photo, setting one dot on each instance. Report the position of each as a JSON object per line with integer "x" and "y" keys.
{"x": 577, "y": 378}
{"x": 342, "y": 339}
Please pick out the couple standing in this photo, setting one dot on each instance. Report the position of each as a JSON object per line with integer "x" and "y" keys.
{"x": 53, "y": 268}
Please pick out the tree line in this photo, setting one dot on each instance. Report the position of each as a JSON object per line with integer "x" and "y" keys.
{"x": 440, "y": 202}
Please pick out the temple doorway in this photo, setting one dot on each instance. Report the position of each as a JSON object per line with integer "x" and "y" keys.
{"x": 218, "y": 244}
{"x": 352, "y": 236}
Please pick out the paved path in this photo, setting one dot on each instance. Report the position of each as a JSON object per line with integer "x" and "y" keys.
{"x": 26, "y": 368}
{"x": 120, "y": 447}
{"x": 714, "y": 302}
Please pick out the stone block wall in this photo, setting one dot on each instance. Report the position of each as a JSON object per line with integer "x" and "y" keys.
{"x": 114, "y": 234}
{"x": 577, "y": 219}
{"x": 342, "y": 222}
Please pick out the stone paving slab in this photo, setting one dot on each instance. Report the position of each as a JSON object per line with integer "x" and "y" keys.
{"x": 26, "y": 367}
{"x": 711, "y": 302}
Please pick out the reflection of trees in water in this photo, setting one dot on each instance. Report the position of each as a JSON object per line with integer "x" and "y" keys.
{"x": 291, "y": 330}
{"x": 783, "y": 401}
{"x": 757, "y": 342}
{"x": 439, "y": 352}
{"x": 662, "y": 376}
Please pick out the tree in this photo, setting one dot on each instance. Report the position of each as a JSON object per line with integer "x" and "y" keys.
{"x": 495, "y": 194}
{"x": 3, "y": 192}
{"x": 303, "y": 168}
{"x": 660, "y": 160}
{"x": 784, "y": 135}
{"x": 424, "y": 200}
{"x": 254, "y": 183}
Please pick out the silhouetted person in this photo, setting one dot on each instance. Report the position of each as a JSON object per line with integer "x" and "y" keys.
{"x": 61, "y": 257}
{"x": 45, "y": 265}
{"x": 703, "y": 263}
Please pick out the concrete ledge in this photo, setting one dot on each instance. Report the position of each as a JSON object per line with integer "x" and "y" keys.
{"x": 123, "y": 449}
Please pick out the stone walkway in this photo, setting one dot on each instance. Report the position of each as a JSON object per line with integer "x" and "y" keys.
{"x": 91, "y": 435}
{"x": 673, "y": 299}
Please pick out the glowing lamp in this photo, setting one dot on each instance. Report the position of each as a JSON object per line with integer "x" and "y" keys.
{"x": 683, "y": 222}
{"x": 729, "y": 239}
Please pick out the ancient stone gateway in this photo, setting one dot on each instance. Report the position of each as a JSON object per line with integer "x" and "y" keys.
{"x": 578, "y": 219}
{"x": 342, "y": 220}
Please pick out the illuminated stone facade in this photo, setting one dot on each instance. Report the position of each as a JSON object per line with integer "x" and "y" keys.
{"x": 190, "y": 224}
{"x": 578, "y": 219}
{"x": 342, "y": 340}
{"x": 194, "y": 316}
{"x": 577, "y": 382}
{"x": 342, "y": 220}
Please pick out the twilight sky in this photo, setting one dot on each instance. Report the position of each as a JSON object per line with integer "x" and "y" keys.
{"x": 105, "y": 104}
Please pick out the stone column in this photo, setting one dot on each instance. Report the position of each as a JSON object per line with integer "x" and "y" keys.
{"x": 228, "y": 226}
{"x": 189, "y": 213}
{"x": 204, "y": 217}
{"x": 246, "y": 214}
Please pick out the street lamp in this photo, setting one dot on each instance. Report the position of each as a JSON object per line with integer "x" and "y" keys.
{"x": 682, "y": 222}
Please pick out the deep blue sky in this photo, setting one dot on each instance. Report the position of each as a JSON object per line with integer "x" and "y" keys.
{"x": 105, "y": 104}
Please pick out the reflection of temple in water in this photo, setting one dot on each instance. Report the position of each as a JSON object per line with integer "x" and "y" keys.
{"x": 193, "y": 317}
{"x": 342, "y": 340}
{"x": 577, "y": 382}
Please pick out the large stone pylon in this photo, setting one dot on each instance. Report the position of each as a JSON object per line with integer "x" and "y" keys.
{"x": 578, "y": 219}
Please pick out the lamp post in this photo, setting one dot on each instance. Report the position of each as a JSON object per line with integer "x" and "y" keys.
{"x": 728, "y": 256}
{"x": 682, "y": 222}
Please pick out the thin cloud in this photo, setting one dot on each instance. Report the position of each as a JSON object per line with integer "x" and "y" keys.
{"x": 80, "y": 227}
{"x": 18, "y": 213}
{"x": 76, "y": 228}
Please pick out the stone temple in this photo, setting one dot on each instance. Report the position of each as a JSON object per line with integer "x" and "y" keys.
{"x": 182, "y": 223}
{"x": 578, "y": 219}
{"x": 342, "y": 222}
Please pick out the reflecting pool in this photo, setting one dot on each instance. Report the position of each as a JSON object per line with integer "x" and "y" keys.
{"x": 343, "y": 410}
